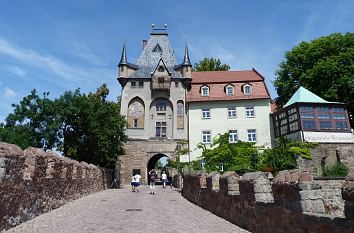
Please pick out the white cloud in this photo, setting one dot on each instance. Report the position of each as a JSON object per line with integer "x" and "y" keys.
{"x": 15, "y": 70}
{"x": 9, "y": 93}
{"x": 43, "y": 61}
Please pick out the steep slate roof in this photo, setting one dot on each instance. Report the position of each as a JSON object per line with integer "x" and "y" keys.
{"x": 217, "y": 80}
{"x": 302, "y": 95}
{"x": 148, "y": 59}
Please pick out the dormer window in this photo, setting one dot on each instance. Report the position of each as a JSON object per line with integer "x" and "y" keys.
{"x": 205, "y": 91}
{"x": 247, "y": 89}
{"x": 157, "y": 49}
{"x": 161, "y": 69}
{"x": 229, "y": 90}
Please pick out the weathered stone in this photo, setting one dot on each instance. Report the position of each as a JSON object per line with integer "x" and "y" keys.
{"x": 33, "y": 182}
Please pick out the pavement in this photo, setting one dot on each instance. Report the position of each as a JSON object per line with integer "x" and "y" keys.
{"x": 124, "y": 211}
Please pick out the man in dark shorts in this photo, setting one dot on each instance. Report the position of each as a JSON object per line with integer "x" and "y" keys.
{"x": 153, "y": 176}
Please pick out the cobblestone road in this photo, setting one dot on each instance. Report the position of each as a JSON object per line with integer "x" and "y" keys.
{"x": 123, "y": 211}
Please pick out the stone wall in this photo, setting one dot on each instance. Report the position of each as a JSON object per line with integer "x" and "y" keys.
{"x": 292, "y": 202}
{"x": 34, "y": 182}
{"x": 327, "y": 154}
{"x": 139, "y": 152}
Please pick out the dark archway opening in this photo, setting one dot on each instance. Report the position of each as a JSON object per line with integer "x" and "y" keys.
{"x": 153, "y": 163}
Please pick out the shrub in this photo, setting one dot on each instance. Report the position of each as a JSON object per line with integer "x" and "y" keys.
{"x": 337, "y": 170}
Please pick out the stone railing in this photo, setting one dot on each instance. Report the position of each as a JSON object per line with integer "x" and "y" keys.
{"x": 293, "y": 202}
{"x": 33, "y": 182}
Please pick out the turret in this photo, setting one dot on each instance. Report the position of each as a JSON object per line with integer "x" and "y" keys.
{"x": 125, "y": 68}
{"x": 186, "y": 69}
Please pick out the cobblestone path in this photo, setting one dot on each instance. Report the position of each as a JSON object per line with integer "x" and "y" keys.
{"x": 120, "y": 210}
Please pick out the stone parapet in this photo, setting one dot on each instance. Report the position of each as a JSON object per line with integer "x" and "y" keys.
{"x": 293, "y": 202}
{"x": 33, "y": 182}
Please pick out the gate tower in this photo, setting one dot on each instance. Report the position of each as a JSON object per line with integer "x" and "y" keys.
{"x": 153, "y": 101}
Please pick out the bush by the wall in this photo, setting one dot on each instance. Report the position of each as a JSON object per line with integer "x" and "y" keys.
{"x": 336, "y": 170}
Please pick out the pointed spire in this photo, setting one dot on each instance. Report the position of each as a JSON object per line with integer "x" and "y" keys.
{"x": 186, "y": 60}
{"x": 123, "y": 59}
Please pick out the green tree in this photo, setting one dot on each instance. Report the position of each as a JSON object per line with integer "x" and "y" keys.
{"x": 34, "y": 121}
{"x": 283, "y": 156}
{"x": 84, "y": 127}
{"x": 239, "y": 157}
{"x": 324, "y": 65}
{"x": 210, "y": 64}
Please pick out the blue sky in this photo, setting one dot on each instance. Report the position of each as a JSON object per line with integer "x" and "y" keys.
{"x": 62, "y": 45}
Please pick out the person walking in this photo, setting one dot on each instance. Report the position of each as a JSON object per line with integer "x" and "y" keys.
{"x": 153, "y": 176}
{"x": 133, "y": 183}
{"x": 137, "y": 182}
{"x": 164, "y": 179}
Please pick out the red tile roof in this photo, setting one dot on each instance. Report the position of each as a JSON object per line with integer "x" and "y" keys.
{"x": 217, "y": 80}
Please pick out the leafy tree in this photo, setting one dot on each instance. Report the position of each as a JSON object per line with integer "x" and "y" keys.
{"x": 84, "y": 127}
{"x": 239, "y": 157}
{"x": 34, "y": 121}
{"x": 324, "y": 65}
{"x": 283, "y": 156}
{"x": 211, "y": 64}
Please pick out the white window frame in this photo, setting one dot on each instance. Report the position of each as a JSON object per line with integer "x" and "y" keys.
{"x": 252, "y": 134}
{"x": 230, "y": 111}
{"x": 206, "y": 136}
{"x": 245, "y": 87}
{"x": 233, "y": 137}
{"x": 206, "y": 89}
{"x": 205, "y": 113}
{"x": 249, "y": 111}
{"x": 229, "y": 87}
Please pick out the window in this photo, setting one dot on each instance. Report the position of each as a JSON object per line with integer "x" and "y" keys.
{"x": 205, "y": 91}
{"x": 233, "y": 136}
{"x": 160, "y": 129}
{"x": 284, "y": 130}
{"x": 180, "y": 115}
{"x": 294, "y": 126}
{"x": 157, "y": 49}
{"x": 247, "y": 89}
{"x": 337, "y": 109}
{"x": 161, "y": 69}
{"x": 251, "y": 135}
{"x": 206, "y": 137}
{"x": 160, "y": 80}
{"x": 135, "y": 123}
{"x": 205, "y": 113}
{"x": 133, "y": 84}
{"x": 250, "y": 111}
{"x": 229, "y": 90}
{"x": 231, "y": 112}
{"x": 141, "y": 84}
{"x": 161, "y": 105}
{"x": 341, "y": 125}
{"x": 339, "y": 116}
{"x": 325, "y": 124}
{"x": 121, "y": 68}
{"x": 309, "y": 124}
{"x": 292, "y": 117}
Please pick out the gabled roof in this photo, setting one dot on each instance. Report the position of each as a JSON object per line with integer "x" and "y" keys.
{"x": 302, "y": 95}
{"x": 226, "y": 76}
{"x": 217, "y": 80}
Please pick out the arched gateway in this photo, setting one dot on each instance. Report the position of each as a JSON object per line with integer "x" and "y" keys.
{"x": 153, "y": 101}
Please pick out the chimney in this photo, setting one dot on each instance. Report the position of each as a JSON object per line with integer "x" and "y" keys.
{"x": 144, "y": 43}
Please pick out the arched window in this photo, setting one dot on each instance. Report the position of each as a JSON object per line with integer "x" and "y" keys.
{"x": 229, "y": 89}
{"x": 204, "y": 90}
{"x": 180, "y": 114}
{"x": 136, "y": 113}
{"x": 247, "y": 89}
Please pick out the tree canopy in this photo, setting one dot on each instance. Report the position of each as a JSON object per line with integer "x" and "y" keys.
{"x": 84, "y": 127}
{"x": 210, "y": 64}
{"x": 325, "y": 66}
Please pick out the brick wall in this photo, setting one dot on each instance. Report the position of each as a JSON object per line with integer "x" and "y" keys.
{"x": 292, "y": 202}
{"x": 34, "y": 182}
